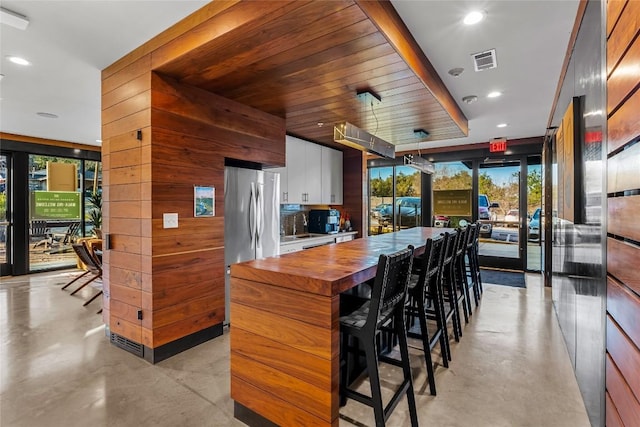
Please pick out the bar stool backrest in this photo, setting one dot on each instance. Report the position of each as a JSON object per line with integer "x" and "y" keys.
{"x": 390, "y": 285}
{"x": 471, "y": 237}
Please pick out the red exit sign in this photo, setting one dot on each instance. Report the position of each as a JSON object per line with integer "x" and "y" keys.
{"x": 498, "y": 145}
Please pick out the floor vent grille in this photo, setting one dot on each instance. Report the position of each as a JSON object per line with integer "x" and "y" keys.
{"x": 128, "y": 345}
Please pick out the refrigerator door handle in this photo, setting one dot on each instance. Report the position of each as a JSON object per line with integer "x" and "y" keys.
{"x": 252, "y": 215}
{"x": 260, "y": 216}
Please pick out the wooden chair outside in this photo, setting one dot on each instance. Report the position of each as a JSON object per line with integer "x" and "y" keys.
{"x": 94, "y": 266}
{"x": 40, "y": 230}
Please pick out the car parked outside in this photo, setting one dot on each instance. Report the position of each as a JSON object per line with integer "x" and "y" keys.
{"x": 512, "y": 217}
{"x": 375, "y": 212}
{"x": 485, "y": 215}
{"x": 408, "y": 212}
{"x": 534, "y": 227}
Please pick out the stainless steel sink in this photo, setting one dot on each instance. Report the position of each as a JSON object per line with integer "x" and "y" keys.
{"x": 298, "y": 237}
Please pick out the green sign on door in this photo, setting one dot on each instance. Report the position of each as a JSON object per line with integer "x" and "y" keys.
{"x": 55, "y": 205}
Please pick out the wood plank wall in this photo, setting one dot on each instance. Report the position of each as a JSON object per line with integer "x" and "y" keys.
{"x": 174, "y": 276}
{"x": 356, "y": 197}
{"x": 623, "y": 188}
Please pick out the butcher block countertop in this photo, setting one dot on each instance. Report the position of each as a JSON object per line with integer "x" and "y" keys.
{"x": 285, "y": 330}
{"x": 332, "y": 269}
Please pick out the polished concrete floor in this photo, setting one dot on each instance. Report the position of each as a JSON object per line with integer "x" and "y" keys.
{"x": 57, "y": 368}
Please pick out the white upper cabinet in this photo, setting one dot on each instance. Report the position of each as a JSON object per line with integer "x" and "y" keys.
{"x": 331, "y": 176}
{"x": 313, "y": 175}
{"x": 304, "y": 168}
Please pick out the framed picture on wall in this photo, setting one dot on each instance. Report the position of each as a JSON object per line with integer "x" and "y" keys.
{"x": 204, "y": 201}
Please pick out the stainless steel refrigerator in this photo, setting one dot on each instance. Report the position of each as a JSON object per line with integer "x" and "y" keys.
{"x": 251, "y": 218}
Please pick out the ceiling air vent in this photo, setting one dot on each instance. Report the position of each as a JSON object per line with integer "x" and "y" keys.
{"x": 484, "y": 60}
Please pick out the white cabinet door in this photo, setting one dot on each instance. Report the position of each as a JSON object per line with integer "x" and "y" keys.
{"x": 331, "y": 176}
{"x": 296, "y": 170}
{"x": 284, "y": 187}
{"x": 313, "y": 174}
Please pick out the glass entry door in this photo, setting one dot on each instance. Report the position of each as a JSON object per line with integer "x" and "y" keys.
{"x": 5, "y": 215}
{"x": 499, "y": 210}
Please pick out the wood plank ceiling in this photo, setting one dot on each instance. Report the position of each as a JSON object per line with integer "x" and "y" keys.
{"x": 306, "y": 61}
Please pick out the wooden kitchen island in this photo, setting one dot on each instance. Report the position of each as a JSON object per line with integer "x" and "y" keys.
{"x": 285, "y": 326}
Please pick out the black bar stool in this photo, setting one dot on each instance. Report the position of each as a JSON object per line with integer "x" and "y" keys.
{"x": 448, "y": 278}
{"x": 473, "y": 268}
{"x": 385, "y": 309}
{"x": 426, "y": 303}
{"x": 461, "y": 272}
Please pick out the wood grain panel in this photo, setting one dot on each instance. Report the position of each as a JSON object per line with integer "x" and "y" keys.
{"x": 621, "y": 396}
{"x": 623, "y": 306}
{"x": 620, "y": 210}
{"x": 621, "y": 259}
{"x": 299, "y": 335}
{"x": 184, "y": 291}
{"x": 623, "y": 33}
{"x": 127, "y": 124}
{"x": 124, "y": 158}
{"x": 240, "y": 15}
{"x": 129, "y": 227}
{"x": 126, "y": 108}
{"x": 125, "y": 312}
{"x": 201, "y": 105}
{"x": 127, "y": 209}
{"x": 125, "y": 243}
{"x": 125, "y": 175}
{"x": 128, "y": 90}
{"x": 624, "y": 125}
{"x": 274, "y": 409}
{"x": 622, "y": 171}
{"x": 187, "y": 326}
{"x": 614, "y": 9}
{"x": 128, "y": 278}
{"x": 188, "y": 242}
{"x": 203, "y": 305}
{"x": 314, "y": 370}
{"x": 622, "y": 82}
{"x": 111, "y": 81}
{"x": 612, "y": 416}
{"x": 128, "y": 141}
{"x": 125, "y": 260}
{"x": 191, "y": 226}
{"x": 313, "y": 309}
{"x": 625, "y": 355}
{"x": 226, "y": 143}
{"x": 289, "y": 388}
{"x": 126, "y": 329}
{"x": 273, "y": 38}
{"x": 354, "y": 184}
{"x": 122, "y": 192}
{"x": 125, "y": 294}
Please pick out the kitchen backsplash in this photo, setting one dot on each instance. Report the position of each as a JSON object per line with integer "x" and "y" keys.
{"x": 298, "y": 214}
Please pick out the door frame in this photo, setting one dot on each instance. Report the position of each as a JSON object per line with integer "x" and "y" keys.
{"x": 518, "y": 263}
{"x": 6, "y": 268}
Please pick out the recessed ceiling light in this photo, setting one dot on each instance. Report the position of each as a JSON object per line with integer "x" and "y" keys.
{"x": 99, "y": 141}
{"x": 469, "y": 99}
{"x": 501, "y": 125}
{"x": 18, "y": 60}
{"x": 494, "y": 94}
{"x": 47, "y": 115}
{"x": 473, "y": 17}
{"x": 1, "y": 76}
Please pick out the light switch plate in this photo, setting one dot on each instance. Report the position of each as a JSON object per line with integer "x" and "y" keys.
{"x": 170, "y": 220}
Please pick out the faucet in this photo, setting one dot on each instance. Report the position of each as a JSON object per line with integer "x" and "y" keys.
{"x": 294, "y": 224}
